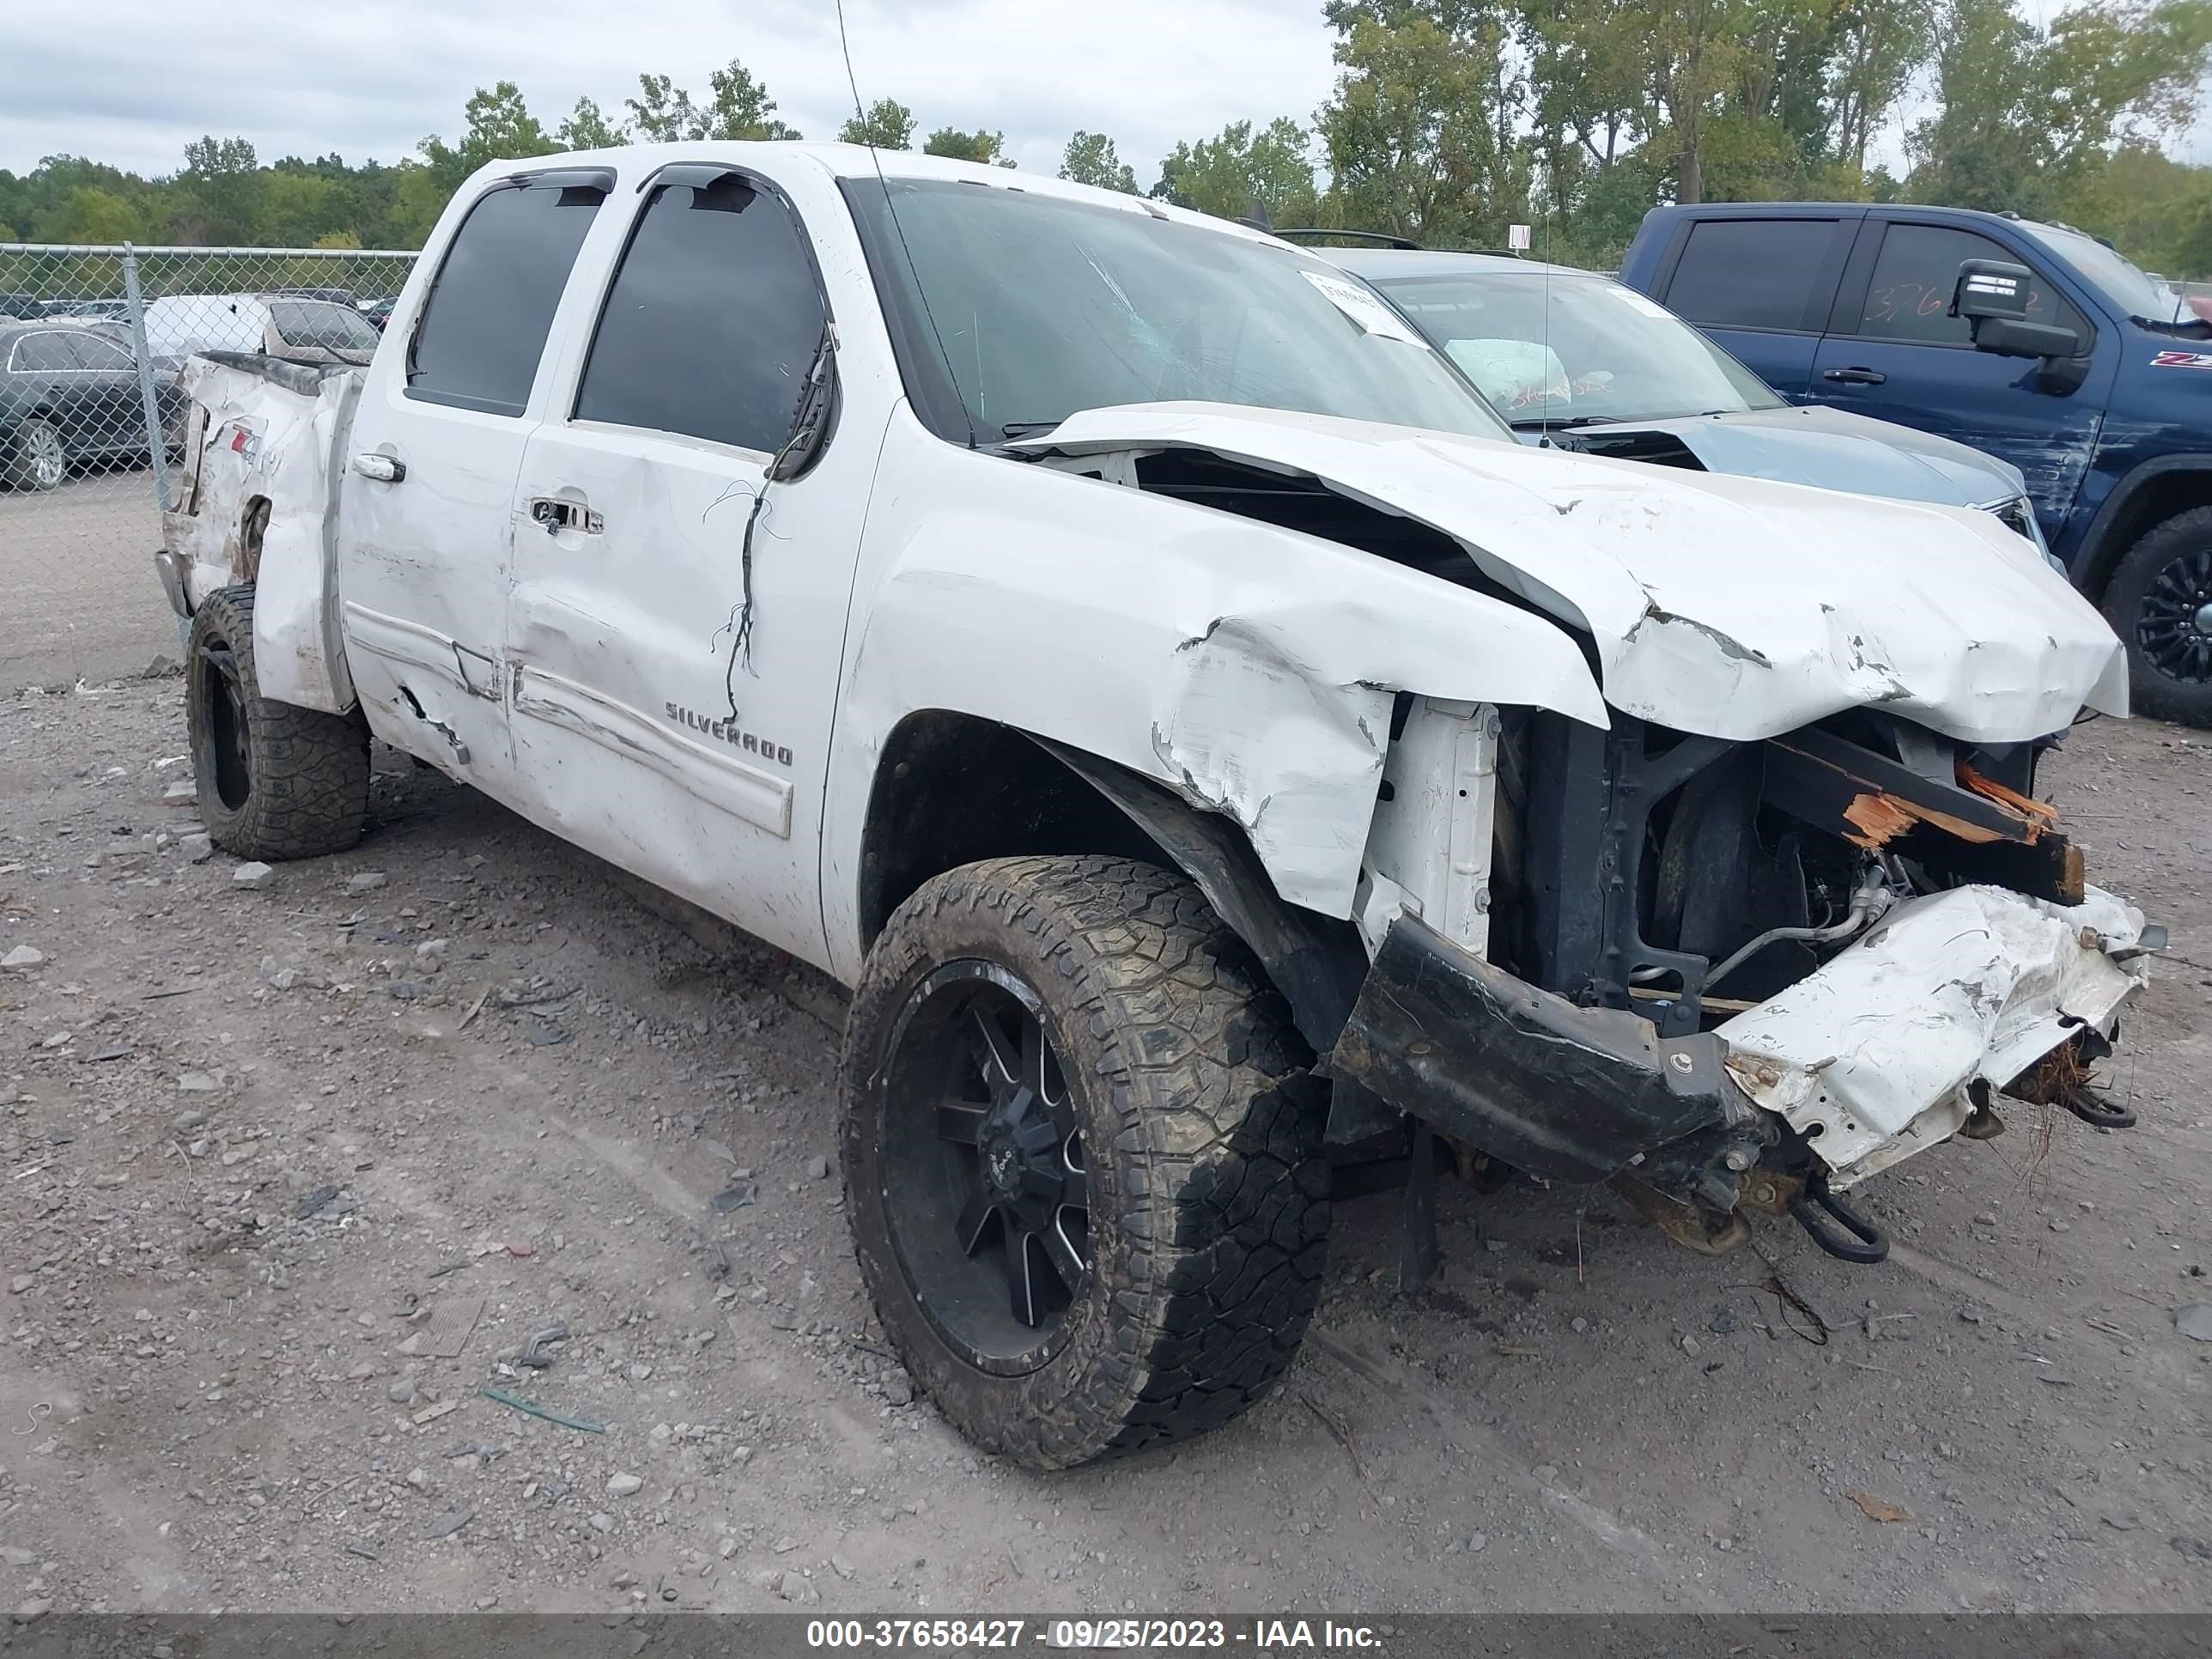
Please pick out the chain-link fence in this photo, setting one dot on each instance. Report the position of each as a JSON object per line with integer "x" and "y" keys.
{"x": 92, "y": 340}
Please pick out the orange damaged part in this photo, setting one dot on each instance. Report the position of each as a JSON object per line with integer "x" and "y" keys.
{"x": 2041, "y": 814}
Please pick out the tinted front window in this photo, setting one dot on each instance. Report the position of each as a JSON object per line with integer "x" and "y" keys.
{"x": 43, "y": 354}
{"x": 1558, "y": 347}
{"x": 483, "y": 326}
{"x": 713, "y": 321}
{"x": 1038, "y": 305}
{"x": 1751, "y": 273}
{"x": 2134, "y": 291}
{"x": 1909, "y": 296}
{"x": 320, "y": 323}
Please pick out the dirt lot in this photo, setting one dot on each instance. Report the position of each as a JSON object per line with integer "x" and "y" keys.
{"x": 78, "y": 597}
{"x": 264, "y": 1154}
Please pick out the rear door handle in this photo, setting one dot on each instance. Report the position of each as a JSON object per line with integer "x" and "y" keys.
{"x": 557, "y": 513}
{"x": 1854, "y": 376}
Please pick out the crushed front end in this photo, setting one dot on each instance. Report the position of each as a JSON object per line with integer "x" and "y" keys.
{"x": 1726, "y": 975}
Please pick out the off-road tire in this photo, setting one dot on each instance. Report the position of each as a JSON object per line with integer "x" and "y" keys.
{"x": 276, "y": 780}
{"x": 36, "y": 457}
{"x": 1201, "y": 1127}
{"x": 2151, "y": 688}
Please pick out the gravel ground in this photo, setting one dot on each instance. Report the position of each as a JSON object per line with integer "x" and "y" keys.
{"x": 288, "y": 1174}
{"x": 78, "y": 597}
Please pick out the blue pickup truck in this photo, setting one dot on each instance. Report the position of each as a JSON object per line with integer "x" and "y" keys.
{"x": 2092, "y": 378}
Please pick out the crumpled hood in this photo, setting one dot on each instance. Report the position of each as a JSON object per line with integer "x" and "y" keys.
{"x": 1729, "y": 606}
{"x": 1828, "y": 449}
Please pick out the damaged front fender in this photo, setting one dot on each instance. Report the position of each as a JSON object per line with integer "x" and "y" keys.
{"x": 1247, "y": 666}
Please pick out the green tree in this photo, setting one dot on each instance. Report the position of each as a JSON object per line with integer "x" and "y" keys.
{"x": 104, "y": 215}
{"x": 1240, "y": 169}
{"x": 662, "y": 111}
{"x": 222, "y": 186}
{"x": 298, "y": 207}
{"x": 588, "y": 128}
{"x": 2025, "y": 114}
{"x": 1090, "y": 159}
{"x": 500, "y": 128}
{"x": 987, "y": 148}
{"x": 887, "y": 124}
{"x": 741, "y": 108}
{"x": 1420, "y": 135}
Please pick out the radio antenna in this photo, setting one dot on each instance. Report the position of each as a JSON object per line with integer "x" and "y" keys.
{"x": 890, "y": 207}
{"x": 1544, "y": 368}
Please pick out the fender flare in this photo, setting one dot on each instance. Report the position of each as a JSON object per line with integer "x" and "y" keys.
{"x": 1316, "y": 961}
{"x": 2101, "y": 549}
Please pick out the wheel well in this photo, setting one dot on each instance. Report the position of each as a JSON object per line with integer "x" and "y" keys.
{"x": 952, "y": 788}
{"x": 252, "y": 526}
{"x": 2150, "y": 503}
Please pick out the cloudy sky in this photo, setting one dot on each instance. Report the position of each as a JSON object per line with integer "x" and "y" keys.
{"x": 131, "y": 82}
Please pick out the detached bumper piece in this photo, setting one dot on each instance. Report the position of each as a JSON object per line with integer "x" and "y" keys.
{"x": 1894, "y": 1044}
{"x": 1897, "y": 1043}
{"x": 1573, "y": 1094}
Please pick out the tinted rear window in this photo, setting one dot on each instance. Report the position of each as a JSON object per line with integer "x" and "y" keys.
{"x": 320, "y": 323}
{"x": 1751, "y": 273}
{"x": 483, "y": 326}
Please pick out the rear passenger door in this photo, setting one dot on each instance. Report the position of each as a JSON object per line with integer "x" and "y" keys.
{"x": 436, "y": 443}
{"x": 1761, "y": 287}
{"x": 678, "y": 617}
{"x": 110, "y": 393}
{"x": 1895, "y": 353}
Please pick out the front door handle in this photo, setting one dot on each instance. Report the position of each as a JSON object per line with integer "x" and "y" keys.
{"x": 558, "y": 513}
{"x": 1854, "y": 376}
{"x": 384, "y": 469}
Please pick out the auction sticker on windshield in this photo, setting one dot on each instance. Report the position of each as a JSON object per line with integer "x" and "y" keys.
{"x": 1363, "y": 309}
{"x": 1635, "y": 301}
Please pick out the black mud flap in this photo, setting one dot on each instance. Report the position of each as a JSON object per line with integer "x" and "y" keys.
{"x": 1572, "y": 1094}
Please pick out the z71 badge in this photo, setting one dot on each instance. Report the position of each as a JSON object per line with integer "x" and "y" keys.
{"x": 2182, "y": 360}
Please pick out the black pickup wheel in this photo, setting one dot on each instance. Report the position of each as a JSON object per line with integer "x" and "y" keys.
{"x": 276, "y": 780}
{"x": 2159, "y": 603}
{"x": 1082, "y": 1150}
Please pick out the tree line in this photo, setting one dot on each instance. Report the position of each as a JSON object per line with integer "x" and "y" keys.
{"x": 1449, "y": 121}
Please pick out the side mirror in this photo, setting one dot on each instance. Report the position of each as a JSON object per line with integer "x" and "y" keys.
{"x": 1991, "y": 295}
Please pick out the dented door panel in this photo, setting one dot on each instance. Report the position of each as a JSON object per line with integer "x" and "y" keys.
{"x": 645, "y": 727}
{"x": 423, "y": 570}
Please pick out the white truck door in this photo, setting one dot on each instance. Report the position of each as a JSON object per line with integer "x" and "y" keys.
{"x": 678, "y": 617}
{"x": 424, "y": 543}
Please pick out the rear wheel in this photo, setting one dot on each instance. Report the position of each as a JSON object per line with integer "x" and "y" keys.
{"x": 38, "y": 460}
{"x": 2159, "y": 603}
{"x": 276, "y": 780}
{"x": 1082, "y": 1150}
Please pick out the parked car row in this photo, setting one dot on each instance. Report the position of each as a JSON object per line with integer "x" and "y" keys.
{"x": 1232, "y": 767}
{"x": 70, "y": 396}
{"x": 69, "y": 384}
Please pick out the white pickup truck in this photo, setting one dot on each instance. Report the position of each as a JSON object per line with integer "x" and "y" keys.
{"x": 1228, "y": 768}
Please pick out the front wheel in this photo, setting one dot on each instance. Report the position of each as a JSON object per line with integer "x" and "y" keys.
{"x": 38, "y": 460}
{"x": 2159, "y": 603}
{"x": 1081, "y": 1145}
